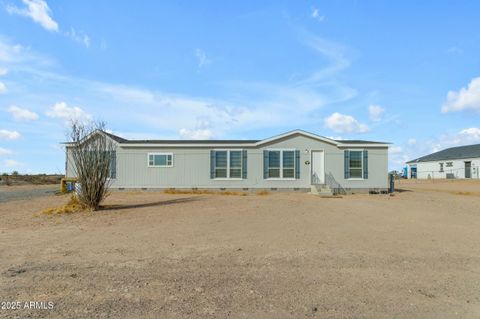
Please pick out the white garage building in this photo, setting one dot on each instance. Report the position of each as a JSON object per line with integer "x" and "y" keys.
{"x": 454, "y": 162}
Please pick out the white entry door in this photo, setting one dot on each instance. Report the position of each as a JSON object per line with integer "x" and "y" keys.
{"x": 318, "y": 169}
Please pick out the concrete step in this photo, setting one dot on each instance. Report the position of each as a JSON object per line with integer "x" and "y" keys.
{"x": 321, "y": 190}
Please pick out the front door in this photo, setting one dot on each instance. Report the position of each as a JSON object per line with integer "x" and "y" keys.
{"x": 468, "y": 168}
{"x": 318, "y": 169}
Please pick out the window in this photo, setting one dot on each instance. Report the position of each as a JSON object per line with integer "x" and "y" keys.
{"x": 281, "y": 164}
{"x": 356, "y": 164}
{"x": 160, "y": 159}
{"x": 441, "y": 167}
{"x": 235, "y": 164}
{"x": 228, "y": 164}
{"x": 288, "y": 164}
{"x": 449, "y": 164}
{"x": 112, "y": 169}
{"x": 221, "y": 164}
{"x": 274, "y": 164}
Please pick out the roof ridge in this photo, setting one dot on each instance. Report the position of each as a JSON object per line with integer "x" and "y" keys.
{"x": 464, "y": 151}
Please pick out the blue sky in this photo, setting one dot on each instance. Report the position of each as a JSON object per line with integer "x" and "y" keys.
{"x": 405, "y": 72}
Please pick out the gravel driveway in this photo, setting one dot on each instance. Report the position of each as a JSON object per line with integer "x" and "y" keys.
{"x": 11, "y": 193}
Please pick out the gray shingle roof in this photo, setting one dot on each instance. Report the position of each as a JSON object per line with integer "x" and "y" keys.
{"x": 188, "y": 141}
{"x": 459, "y": 152}
{"x": 122, "y": 140}
{"x": 359, "y": 142}
{"x": 116, "y": 138}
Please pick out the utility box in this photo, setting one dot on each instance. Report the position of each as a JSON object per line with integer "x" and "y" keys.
{"x": 391, "y": 183}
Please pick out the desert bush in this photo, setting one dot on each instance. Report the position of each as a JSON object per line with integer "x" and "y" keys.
{"x": 92, "y": 152}
{"x": 263, "y": 193}
{"x": 73, "y": 205}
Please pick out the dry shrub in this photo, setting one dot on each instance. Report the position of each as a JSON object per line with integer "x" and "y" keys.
{"x": 202, "y": 192}
{"x": 233, "y": 193}
{"x": 72, "y": 206}
{"x": 93, "y": 155}
{"x": 263, "y": 193}
{"x": 466, "y": 193}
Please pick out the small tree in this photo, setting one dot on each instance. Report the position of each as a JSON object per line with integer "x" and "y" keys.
{"x": 6, "y": 179}
{"x": 91, "y": 151}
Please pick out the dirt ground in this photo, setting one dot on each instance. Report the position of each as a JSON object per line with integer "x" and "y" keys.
{"x": 286, "y": 255}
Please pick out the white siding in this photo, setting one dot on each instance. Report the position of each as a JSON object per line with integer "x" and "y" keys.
{"x": 427, "y": 170}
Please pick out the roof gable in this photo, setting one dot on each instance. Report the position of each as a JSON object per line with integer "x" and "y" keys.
{"x": 296, "y": 132}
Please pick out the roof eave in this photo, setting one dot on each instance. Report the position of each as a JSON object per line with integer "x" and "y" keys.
{"x": 220, "y": 145}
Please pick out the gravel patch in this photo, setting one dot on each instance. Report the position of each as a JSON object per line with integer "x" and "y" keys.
{"x": 8, "y": 194}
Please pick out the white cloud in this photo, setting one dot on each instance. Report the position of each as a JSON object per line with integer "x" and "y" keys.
{"x": 465, "y": 99}
{"x": 20, "y": 114}
{"x": 376, "y": 112}
{"x": 38, "y": 11}
{"x": 3, "y": 71}
{"x": 334, "y": 52}
{"x": 9, "y": 52}
{"x": 22, "y": 57}
{"x": 79, "y": 37}
{"x": 86, "y": 40}
{"x": 126, "y": 93}
{"x": 202, "y": 131}
{"x": 3, "y": 88}
{"x": 62, "y": 111}
{"x": 412, "y": 141}
{"x": 395, "y": 149}
{"x": 396, "y": 157}
{"x": 198, "y": 134}
{"x": 317, "y": 16}
{"x": 471, "y": 134}
{"x": 9, "y": 135}
{"x": 455, "y": 50}
{"x": 341, "y": 123}
{"x": 202, "y": 58}
{"x": 260, "y": 104}
{"x": 12, "y": 163}
{"x": 4, "y": 152}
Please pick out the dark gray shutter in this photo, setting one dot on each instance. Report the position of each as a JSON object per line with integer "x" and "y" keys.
{"x": 346, "y": 164}
{"x": 113, "y": 164}
{"x": 365, "y": 164}
{"x": 244, "y": 164}
{"x": 265, "y": 164}
{"x": 212, "y": 164}
{"x": 297, "y": 164}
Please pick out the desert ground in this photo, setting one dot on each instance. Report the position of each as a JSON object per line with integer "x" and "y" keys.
{"x": 283, "y": 255}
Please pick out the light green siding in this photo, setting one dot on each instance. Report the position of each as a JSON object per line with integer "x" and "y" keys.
{"x": 191, "y": 167}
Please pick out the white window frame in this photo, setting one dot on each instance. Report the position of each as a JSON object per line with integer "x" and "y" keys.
{"x": 349, "y": 169}
{"x": 281, "y": 164}
{"x": 228, "y": 150}
{"x": 166, "y": 154}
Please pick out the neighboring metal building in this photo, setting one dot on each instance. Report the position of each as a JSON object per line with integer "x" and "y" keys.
{"x": 295, "y": 160}
{"x": 454, "y": 162}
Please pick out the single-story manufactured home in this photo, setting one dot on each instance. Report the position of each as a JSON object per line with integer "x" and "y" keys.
{"x": 454, "y": 162}
{"x": 295, "y": 160}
